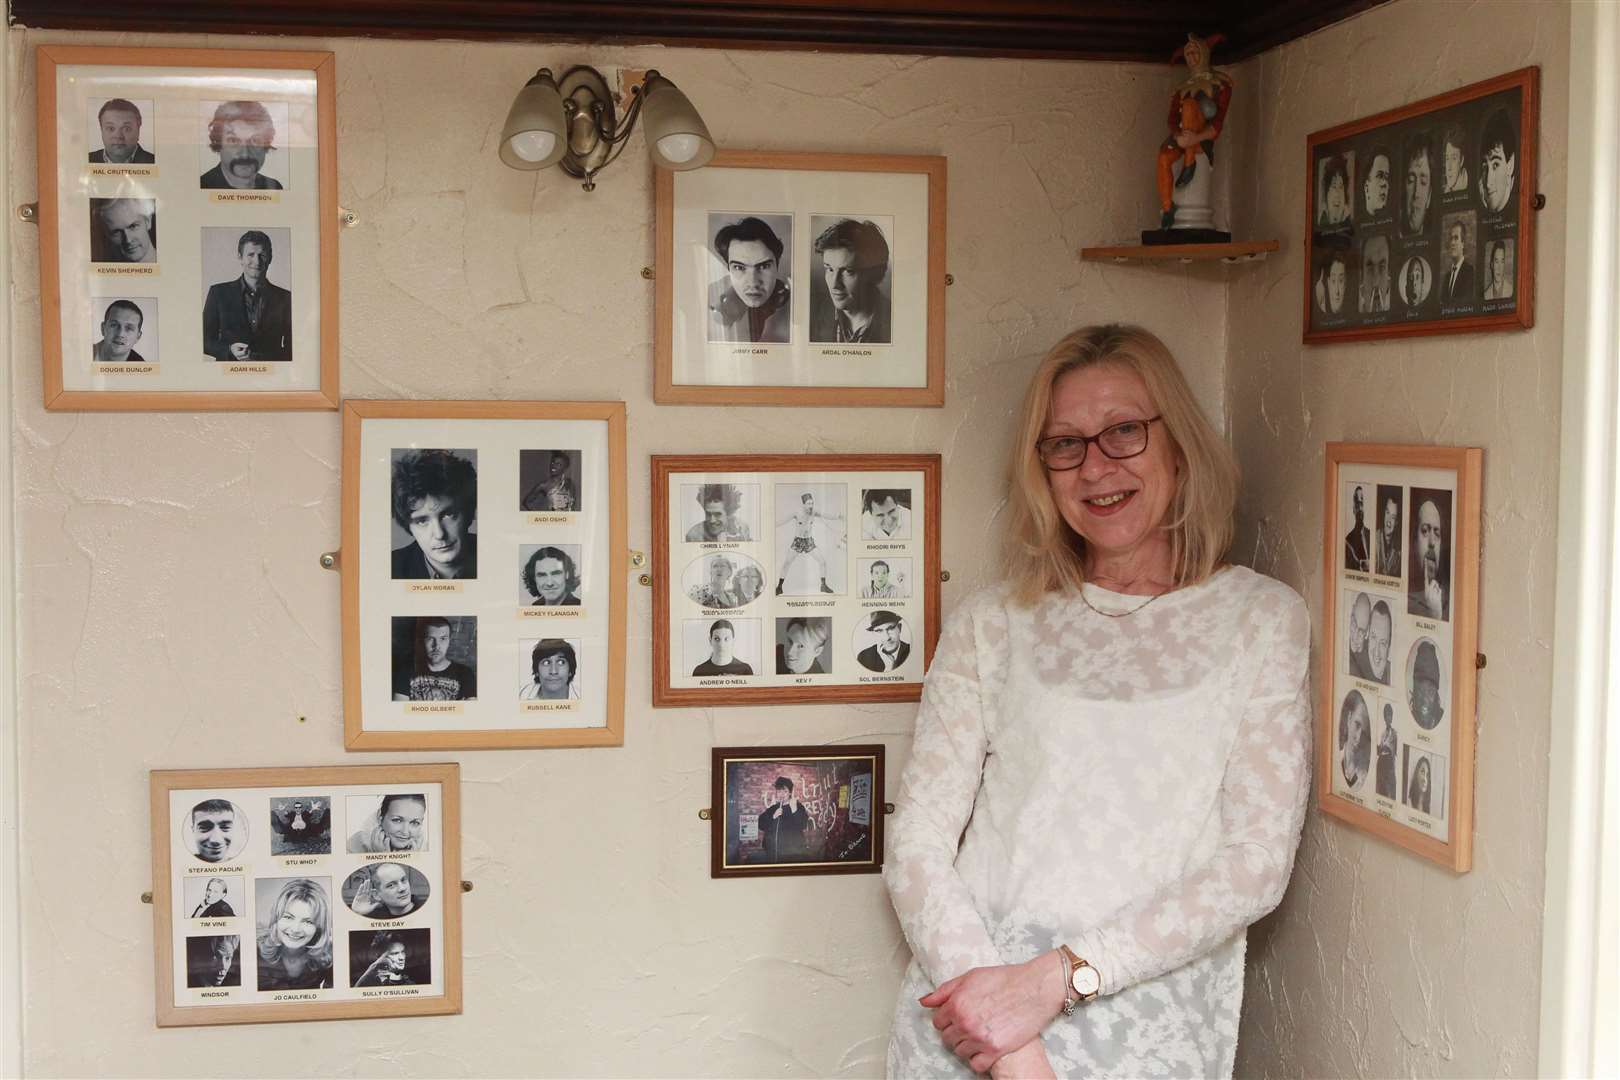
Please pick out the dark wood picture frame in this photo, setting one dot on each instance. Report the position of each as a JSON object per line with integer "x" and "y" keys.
{"x": 819, "y": 803}
{"x": 1416, "y": 298}
{"x": 1402, "y": 475}
{"x": 444, "y": 858}
{"x": 924, "y": 587}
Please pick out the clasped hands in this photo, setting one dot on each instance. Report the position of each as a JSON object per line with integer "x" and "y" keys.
{"x": 991, "y": 1017}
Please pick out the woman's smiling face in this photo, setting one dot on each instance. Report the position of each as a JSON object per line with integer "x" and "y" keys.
{"x": 1117, "y": 507}
{"x": 297, "y": 926}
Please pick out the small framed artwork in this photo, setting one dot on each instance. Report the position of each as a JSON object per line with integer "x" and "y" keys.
{"x": 484, "y": 561}
{"x": 1395, "y": 745}
{"x": 306, "y": 894}
{"x": 1422, "y": 219}
{"x": 797, "y": 810}
{"x": 794, "y": 578}
{"x": 801, "y": 279}
{"x": 188, "y": 228}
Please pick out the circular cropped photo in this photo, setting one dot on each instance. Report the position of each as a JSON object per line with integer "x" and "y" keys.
{"x": 386, "y": 890}
{"x": 1427, "y": 691}
{"x": 215, "y": 830}
{"x": 725, "y": 580}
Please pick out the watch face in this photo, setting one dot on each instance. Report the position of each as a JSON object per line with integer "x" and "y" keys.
{"x": 1086, "y": 980}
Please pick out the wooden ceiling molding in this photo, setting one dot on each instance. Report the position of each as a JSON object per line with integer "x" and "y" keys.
{"x": 1039, "y": 29}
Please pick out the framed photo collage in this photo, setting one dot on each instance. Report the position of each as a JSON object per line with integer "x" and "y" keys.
{"x": 1422, "y": 220}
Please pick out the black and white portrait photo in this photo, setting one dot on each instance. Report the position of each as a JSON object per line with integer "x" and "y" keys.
{"x": 801, "y": 645}
{"x": 886, "y": 578}
{"x": 293, "y": 928}
{"x": 882, "y": 641}
{"x": 714, "y": 647}
{"x": 1332, "y": 281}
{"x": 850, "y": 290}
{"x": 1384, "y": 782}
{"x": 1453, "y": 160}
{"x": 1457, "y": 259}
{"x": 1417, "y": 188}
{"x": 1375, "y": 187}
{"x": 551, "y": 670}
{"x": 123, "y": 230}
{"x": 811, "y": 535}
{"x": 750, "y": 297}
{"x": 549, "y": 575}
{"x": 402, "y": 957}
{"x": 301, "y": 825}
{"x": 1428, "y": 693}
{"x": 886, "y": 514}
{"x": 1355, "y": 740}
{"x": 1498, "y": 161}
{"x": 434, "y": 503}
{"x": 1414, "y": 282}
{"x": 1424, "y": 781}
{"x": 126, "y": 330}
{"x": 1372, "y": 298}
{"x": 1335, "y": 183}
{"x": 241, "y": 137}
{"x": 726, "y": 579}
{"x": 216, "y": 830}
{"x": 1428, "y": 579}
{"x": 213, "y": 896}
{"x": 213, "y": 960}
{"x": 1370, "y": 637}
{"x": 1388, "y": 534}
{"x": 435, "y": 657}
{"x": 386, "y": 890}
{"x": 716, "y": 513}
{"x": 1499, "y": 270}
{"x": 115, "y": 126}
{"x": 549, "y": 480}
{"x": 247, "y": 306}
{"x": 396, "y": 821}
{"x": 1358, "y": 540}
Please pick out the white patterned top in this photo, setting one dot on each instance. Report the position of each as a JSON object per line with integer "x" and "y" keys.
{"x": 1133, "y": 787}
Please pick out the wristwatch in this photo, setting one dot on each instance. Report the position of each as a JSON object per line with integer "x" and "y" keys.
{"x": 1082, "y": 984}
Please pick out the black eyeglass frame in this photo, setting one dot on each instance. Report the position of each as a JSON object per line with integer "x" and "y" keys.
{"x": 1088, "y": 440}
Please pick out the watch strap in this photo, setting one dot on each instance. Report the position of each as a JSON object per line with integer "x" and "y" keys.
{"x": 1073, "y": 998}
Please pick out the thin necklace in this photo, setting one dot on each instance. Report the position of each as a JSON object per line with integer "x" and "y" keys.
{"x": 1116, "y": 614}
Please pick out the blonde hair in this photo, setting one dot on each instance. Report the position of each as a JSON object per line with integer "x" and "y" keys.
{"x": 1044, "y": 554}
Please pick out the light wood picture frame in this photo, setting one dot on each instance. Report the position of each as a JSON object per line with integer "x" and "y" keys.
{"x": 1422, "y": 220}
{"x": 1400, "y": 570}
{"x": 860, "y": 323}
{"x": 796, "y": 810}
{"x": 823, "y": 569}
{"x": 362, "y": 861}
{"x": 224, "y": 163}
{"x": 497, "y": 626}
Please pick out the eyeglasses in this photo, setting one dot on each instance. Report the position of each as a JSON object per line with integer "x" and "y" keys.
{"x": 1126, "y": 439}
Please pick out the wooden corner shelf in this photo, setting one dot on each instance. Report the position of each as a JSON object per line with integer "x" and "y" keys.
{"x": 1236, "y": 252}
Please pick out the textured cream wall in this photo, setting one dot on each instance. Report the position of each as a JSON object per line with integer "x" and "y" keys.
{"x": 172, "y": 614}
{"x": 1378, "y": 963}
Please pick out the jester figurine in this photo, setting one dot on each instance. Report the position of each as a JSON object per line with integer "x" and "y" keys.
{"x": 1197, "y": 111}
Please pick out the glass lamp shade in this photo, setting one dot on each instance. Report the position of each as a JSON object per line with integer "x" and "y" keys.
{"x": 536, "y": 134}
{"x": 676, "y": 135}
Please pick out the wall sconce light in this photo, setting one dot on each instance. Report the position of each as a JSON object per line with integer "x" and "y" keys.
{"x": 572, "y": 122}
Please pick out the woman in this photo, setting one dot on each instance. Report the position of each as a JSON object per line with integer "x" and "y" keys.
{"x": 1417, "y": 789}
{"x": 1335, "y": 212}
{"x": 295, "y": 940}
{"x": 383, "y": 891}
{"x": 1111, "y": 758}
{"x": 388, "y": 966}
{"x": 1355, "y": 739}
{"x": 397, "y": 826}
{"x": 553, "y": 664}
{"x": 748, "y": 583}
